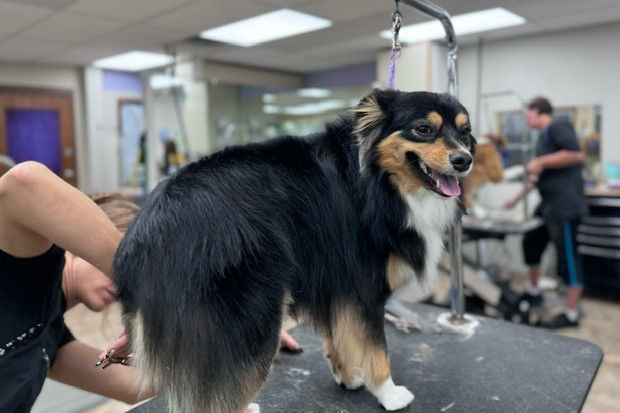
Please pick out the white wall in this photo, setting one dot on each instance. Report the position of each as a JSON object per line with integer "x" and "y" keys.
{"x": 54, "y": 77}
{"x": 413, "y": 68}
{"x": 578, "y": 67}
{"x": 104, "y": 154}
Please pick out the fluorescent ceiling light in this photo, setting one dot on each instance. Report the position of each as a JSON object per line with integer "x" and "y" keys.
{"x": 313, "y": 92}
{"x": 271, "y": 109}
{"x": 266, "y": 27}
{"x": 160, "y": 81}
{"x": 315, "y": 108}
{"x": 475, "y": 22}
{"x": 269, "y": 98}
{"x": 134, "y": 61}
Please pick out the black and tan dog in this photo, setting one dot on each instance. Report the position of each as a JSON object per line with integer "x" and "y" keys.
{"x": 322, "y": 227}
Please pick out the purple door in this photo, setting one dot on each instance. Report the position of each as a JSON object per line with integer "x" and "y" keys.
{"x": 34, "y": 135}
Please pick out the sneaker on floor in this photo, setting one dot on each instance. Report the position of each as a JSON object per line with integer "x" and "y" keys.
{"x": 527, "y": 301}
{"x": 560, "y": 321}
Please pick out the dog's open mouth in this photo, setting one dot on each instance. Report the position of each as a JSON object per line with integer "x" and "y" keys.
{"x": 446, "y": 185}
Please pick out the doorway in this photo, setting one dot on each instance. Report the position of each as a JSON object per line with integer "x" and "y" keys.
{"x": 37, "y": 124}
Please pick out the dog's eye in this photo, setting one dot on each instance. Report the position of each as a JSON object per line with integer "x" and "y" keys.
{"x": 424, "y": 130}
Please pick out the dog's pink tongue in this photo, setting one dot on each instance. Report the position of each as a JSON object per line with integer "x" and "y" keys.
{"x": 448, "y": 185}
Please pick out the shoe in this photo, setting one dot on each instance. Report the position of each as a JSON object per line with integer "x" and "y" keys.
{"x": 527, "y": 301}
{"x": 560, "y": 321}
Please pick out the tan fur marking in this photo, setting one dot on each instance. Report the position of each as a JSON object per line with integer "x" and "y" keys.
{"x": 487, "y": 167}
{"x": 393, "y": 159}
{"x": 352, "y": 351}
{"x": 371, "y": 114}
{"x": 460, "y": 120}
{"x": 435, "y": 118}
{"x": 398, "y": 271}
{"x": 335, "y": 363}
{"x": 380, "y": 366}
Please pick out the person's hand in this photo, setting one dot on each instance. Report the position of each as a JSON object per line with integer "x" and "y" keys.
{"x": 288, "y": 343}
{"x": 534, "y": 167}
{"x": 510, "y": 203}
{"x": 118, "y": 352}
{"x": 83, "y": 283}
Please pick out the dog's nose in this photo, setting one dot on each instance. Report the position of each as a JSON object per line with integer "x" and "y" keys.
{"x": 461, "y": 161}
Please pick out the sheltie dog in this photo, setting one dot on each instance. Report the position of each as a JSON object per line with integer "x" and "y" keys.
{"x": 322, "y": 227}
{"x": 487, "y": 166}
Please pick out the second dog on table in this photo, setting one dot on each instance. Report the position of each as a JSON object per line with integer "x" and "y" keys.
{"x": 487, "y": 166}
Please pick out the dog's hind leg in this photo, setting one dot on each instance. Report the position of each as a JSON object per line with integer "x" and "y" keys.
{"x": 357, "y": 355}
{"x": 221, "y": 357}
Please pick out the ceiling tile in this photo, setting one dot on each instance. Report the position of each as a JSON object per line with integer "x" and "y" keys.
{"x": 345, "y": 31}
{"x": 282, "y": 3}
{"x": 359, "y": 44}
{"x": 132, "y": 10}
{"x": 245, "y": 55}
{"x": 344, "y": 10}
{"x": 78, "y": 55}
{"x": 138, "y": 36}
{"x": 50, "y": 4}
{"x": 204, "y": 15}
{"x": 14, "y": 17}
{"x": 71, "y": 28}
{"x": 20, "y": 49}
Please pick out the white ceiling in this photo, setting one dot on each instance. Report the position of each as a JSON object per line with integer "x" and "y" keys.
{"x": 76, "y": 32}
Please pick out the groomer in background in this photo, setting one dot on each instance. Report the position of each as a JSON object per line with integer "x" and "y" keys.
{"x": 556, "y": 171}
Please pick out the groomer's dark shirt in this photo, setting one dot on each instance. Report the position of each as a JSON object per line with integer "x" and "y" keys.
{"x": 32, "y": 326}
{"x": 561, "y": 189}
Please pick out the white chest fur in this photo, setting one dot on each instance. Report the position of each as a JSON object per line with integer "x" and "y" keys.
{"x": 430, "y": 215}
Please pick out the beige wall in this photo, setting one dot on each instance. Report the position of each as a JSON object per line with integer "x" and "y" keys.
{"x": 54, "y": 77}
{"x": 577, "y": 67}
{"x": 104, "y": 141}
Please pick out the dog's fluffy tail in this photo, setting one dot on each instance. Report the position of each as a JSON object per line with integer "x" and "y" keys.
{"x": 203, "y": 319}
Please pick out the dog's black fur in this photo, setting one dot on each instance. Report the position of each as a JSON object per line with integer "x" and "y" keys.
{"x": 222, "y": 246}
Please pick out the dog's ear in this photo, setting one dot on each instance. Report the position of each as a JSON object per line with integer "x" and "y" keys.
{"x": 373, "y": 110}
{"x": 371, "y": 116}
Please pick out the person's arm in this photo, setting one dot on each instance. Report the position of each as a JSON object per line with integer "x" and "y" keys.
{"x": 74, "y": 366}
{"x": 38, "y": 209}
{"x": 560, "y": 159}
{"x": 567, "y": 153}
{"x": 519, "y": 195}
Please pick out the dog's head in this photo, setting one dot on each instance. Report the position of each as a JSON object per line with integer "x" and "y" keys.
{"x": 423, "y": 140}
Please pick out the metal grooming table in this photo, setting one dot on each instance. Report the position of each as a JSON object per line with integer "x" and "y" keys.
{"x": 476, "y": 228}
{"x": 503, "y": 367}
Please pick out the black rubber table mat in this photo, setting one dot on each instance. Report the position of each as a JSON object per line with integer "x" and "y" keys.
{"x": 503, "y": 367}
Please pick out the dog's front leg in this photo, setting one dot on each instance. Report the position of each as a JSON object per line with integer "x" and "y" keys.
{"x": 357, "y": 354}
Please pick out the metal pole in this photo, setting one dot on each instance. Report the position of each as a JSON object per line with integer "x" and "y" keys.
{"x": 479, "y": 50}
{"x": 458, "y": 300}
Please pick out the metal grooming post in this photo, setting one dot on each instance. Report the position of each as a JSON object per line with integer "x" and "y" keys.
{"x": 458, "y": 299}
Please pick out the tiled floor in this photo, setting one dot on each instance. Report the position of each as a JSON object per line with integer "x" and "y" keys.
{"x": 601, "y": 325}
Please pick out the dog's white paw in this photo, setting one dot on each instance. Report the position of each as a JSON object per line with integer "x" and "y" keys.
{"x": 399, "y": 397}
{"x": 392, "y": 397}
{"x": 253, "y": 408}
